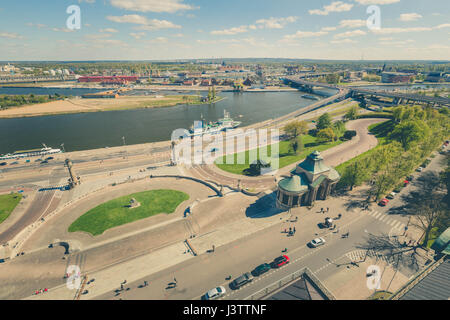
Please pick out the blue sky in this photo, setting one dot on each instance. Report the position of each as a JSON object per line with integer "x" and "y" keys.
{"x": 181, "y": 29}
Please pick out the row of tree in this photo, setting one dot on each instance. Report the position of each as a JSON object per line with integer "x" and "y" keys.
{"x": 408, "y": 139}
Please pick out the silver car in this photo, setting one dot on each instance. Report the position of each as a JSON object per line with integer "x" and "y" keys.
{"x": 317, "y": 242}
{"x": 215, "y": 293}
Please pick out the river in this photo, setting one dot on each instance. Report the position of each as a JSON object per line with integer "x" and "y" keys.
{"x": 100, "y": 129}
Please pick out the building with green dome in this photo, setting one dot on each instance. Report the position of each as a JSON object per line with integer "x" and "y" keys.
{"x": 311, "y": 180}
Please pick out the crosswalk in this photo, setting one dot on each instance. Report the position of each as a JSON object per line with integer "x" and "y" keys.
{"x": 360, "y": 255}
{"x": 395, "y": 224}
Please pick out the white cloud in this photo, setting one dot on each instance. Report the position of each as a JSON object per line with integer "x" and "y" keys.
{"x": 230, "y": 31}
{"x": 110, "y": 30}
{"x": 401, "y": 30}
{"x": 380, "y": 2}
{"x": 10, "y": 35}
{"x": 409, "y": 17}
{"x": 328, "y": 29}
{"x": 352, "y": 23}
{"x": 37, "y": 25}
{"x": 336, "y": 6}
{"x": 275, "y": 23}
{"x": 137, "y": 35}
{"x": 145, "y": 24}
{"x": 170, "y": 6}
{"x": 159, "y": 40}
{"x": 349, "y": 34}
{"x": 62, "y": 30}
{"x": 444, "y": 25}
{"x": 343, "y": 41}
{"x": 302, "y": 34}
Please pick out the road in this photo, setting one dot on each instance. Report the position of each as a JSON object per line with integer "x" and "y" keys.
{"x": 198, "y": 275}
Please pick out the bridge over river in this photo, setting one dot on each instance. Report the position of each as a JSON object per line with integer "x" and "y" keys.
{"x": 398, "y": 97}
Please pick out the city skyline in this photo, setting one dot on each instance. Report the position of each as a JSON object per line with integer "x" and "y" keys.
{"x": 185, "y": 29}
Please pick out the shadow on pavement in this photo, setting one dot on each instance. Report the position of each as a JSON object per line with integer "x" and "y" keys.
{"x": 263, "y": 207}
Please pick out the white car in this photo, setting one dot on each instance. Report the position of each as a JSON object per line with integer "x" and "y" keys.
{"x": 419, "y": 169}
{"x": 317, "y": 242}
{"x": 215, "y": 293}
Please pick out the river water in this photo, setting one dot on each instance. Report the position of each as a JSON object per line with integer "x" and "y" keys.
{"x": 100, "y": 129}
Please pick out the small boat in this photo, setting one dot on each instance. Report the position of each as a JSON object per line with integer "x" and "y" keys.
{"x": 310, "y": 97}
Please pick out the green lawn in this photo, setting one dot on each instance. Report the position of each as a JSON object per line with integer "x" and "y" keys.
{"x": 287, "y": 157}
{"x": 7, "y": 204}
{"x": 116, "y": 212}
{"x": 381, "y": 131}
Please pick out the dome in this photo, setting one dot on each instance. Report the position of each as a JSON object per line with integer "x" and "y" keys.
{"x": 293, "y": 184}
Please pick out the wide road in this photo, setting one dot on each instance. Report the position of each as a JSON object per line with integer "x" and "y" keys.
{"x": 198, "y": 275}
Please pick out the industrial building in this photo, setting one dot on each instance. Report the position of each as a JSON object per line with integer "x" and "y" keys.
{"x": 395, "y": 77}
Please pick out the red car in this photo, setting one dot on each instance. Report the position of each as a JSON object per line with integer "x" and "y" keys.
{"x": 280, "y": 261}
{"x": 383, "y": 202}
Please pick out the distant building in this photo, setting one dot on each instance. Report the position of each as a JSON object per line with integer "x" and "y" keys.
{"x": 435, "y": 77}
{"x": 108, "y": 79}
{"x": 311, "y": 180}
{"x": 395, "y": 77}
{"x": 247, "y": 82}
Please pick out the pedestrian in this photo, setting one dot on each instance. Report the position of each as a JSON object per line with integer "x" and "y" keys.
{"x": 175, "y": 280}
{"x": 328, "y": 209}
{"x": 321, "y": 209}
{"x": 290, "y": 229}
{"x": 294, "y": 230}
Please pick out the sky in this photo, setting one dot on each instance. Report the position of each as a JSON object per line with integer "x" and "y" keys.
{"x": 204, "y": 29}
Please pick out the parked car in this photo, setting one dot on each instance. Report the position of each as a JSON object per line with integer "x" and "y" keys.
{"x": 3, "y": 164}
{"x": 44, "y": 162}
{"x": 391, "y": 195}
{"x": 280, "y": 261}
{"x": 214, "y": 293}
{"x": 38, "y": 160}
{"x": 50, "y": 158}
{"x": 383, "y": 202}
{"x": 410, "y": 178}
{"x": 317, "y": 242}
{"x": 13, "y": 163}
{"x": 262, "y": 268}
{"x": 241, "y": 281}
{"x": 419, "y": 169}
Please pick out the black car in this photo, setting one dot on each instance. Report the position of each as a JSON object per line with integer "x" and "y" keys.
{"x": 50, "y": 158}
{"x": 44, "y": 162}
{"x": 3, "y": 164}
{"x": 242, "y": 280}
{"x": 410, "y": 178}
{"x": 262, "y": 268}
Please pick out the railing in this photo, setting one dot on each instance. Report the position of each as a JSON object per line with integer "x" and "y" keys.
{"x": 260, "y": 295}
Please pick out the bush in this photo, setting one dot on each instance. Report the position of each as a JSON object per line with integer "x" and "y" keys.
{"x": 349, "y": 134}
{"x": 375, "y": 115}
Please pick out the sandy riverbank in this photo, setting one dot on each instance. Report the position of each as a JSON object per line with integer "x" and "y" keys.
{"x": 78, "y": 105}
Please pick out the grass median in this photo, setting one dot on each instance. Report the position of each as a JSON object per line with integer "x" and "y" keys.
{"x": 286, "y": 155}
{"x": 116, "y": 212}
{"x": 7, "y": 204}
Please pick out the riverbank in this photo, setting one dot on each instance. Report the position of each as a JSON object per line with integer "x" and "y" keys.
{"x": 78, "y": 105}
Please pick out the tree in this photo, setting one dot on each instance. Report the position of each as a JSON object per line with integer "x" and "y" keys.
{"x": 426, "y": 204}
{"x": 354, "y": 174}
{"x": 352, "y": 114}
{"x": 323, "y": 122}
{"x": 410, "y": 132}
{"x": 295, "y": 128}
{"x": 339, "y": 128}
{"x": 296, "y": 144}
{"x": 326, "y": 135}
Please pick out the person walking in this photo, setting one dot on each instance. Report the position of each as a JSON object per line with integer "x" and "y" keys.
{"x": 294, "y": 230}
